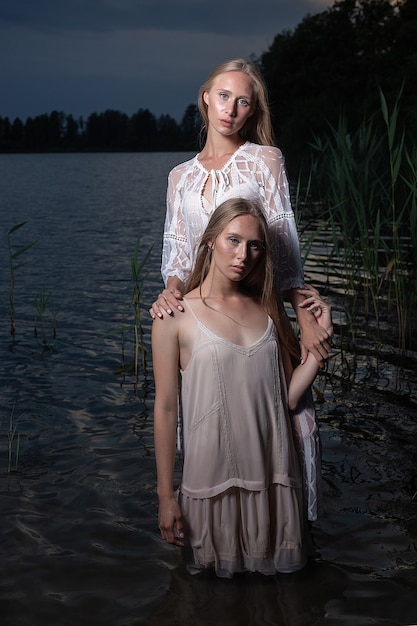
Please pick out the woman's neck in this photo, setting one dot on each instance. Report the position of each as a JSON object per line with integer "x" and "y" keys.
{"x": 224, "y": 290}
{"x": 217, "y": 151}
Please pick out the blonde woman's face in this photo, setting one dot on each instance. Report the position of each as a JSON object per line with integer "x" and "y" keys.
{"x": 230, "y": 102}
{"x": 238, "y": 248}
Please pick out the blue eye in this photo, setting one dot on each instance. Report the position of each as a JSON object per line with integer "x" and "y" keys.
{"x": 244, "y": 102}
{"x": 233, "y": 240}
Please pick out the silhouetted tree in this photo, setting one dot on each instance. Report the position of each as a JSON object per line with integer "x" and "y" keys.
{"x": 190, "y": 127}
{"x": 5, "y": 132}
{"x": 115, "y": 128}
{"x": 337, "y": 59}
{"x": 17, "y": 134}
{"x": 32, "y": 138}
{"x": 55, "y": 130}
{"x": 169, "y": 134}
{"x": 71, "y": 137}
{"x": 107, "y": 131}
{"x": 143, "y": 131}
{"x": 94, "y": 132}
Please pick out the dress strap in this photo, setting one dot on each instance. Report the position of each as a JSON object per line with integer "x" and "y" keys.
{"x": 191, "y": 309}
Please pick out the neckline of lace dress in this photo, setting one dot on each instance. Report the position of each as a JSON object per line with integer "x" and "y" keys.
{"x": 220, "y": 169}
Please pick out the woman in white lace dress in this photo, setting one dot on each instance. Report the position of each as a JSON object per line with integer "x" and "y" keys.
{"x": 239, "y": 160}
{"x": 239, "y": 506}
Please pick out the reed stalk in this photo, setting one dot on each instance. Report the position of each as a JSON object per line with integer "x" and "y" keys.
{"x": 15, "y": 252}
{"x": 304, "y": 219}
{"x": 368, "y": 180}
{"x": 138, "y": 275}
{"x": 41, "y": 302}
{"x": 12, "y": 434}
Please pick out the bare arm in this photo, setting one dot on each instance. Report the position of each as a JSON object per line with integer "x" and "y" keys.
{"x": 305, "y": 373}
{"x": 165, "y": 354}
{"x": 314, "y": 337}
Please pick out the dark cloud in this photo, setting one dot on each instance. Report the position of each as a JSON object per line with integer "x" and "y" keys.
{"x": 80, "y": 56}
{"x": 208, "y": 16}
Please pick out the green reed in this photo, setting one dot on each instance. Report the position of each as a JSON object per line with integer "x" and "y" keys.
{"x": 13, "y": 438}
{"x": 138, "y": 276}
{"x": 42, "y": 303}
{"x": 301, "y": 202}
{"x": 15, "y": 252}
{"x": 368, "y": 181}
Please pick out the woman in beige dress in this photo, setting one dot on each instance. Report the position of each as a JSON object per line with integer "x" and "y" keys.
{"x": 239, "y": 506}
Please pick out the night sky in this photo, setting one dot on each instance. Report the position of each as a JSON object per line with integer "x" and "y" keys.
{"x": 85, "y": 56}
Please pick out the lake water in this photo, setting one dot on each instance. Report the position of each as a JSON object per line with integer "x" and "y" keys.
{"x": 79, "y": 537}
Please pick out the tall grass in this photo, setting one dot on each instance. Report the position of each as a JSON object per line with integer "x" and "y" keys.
{"x": 42, "y": 303}
{"x": 15, "y": 252}
{"x": 13, "y": 443}
{"x": 138, "y": 275}
{"x": 368, "y": 181}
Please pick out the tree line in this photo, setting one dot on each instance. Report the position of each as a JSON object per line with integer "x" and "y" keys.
{"x": 107, "y": 131}
{"x": 333, "y": 63}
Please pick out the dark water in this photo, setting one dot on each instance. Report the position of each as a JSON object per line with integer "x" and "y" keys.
{"x": 79, "y": 539}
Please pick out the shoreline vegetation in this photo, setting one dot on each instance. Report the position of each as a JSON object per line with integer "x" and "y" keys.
{"x": 365, "y": 185}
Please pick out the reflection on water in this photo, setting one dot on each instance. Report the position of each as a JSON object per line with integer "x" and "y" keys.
{"x": 252, "y": 599}
{"x": 80, "y": 543}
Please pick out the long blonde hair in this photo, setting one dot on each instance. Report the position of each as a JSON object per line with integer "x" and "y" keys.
{"x": 258, "y": 127}
{"x": 261, "y": 282}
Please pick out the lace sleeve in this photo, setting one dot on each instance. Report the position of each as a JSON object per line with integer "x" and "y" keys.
{"x": 175, "y": 248}
{"x": 282, "y": 221}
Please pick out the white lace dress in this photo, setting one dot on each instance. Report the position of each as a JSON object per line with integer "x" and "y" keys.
{"x": 252, "y": 172}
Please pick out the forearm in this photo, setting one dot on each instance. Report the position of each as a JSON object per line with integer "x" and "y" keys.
{"x": 169, "y": 513}
{"x": 305, "y": 373}
{"x": 314, "y": 337}
{"x": 165, "y": 424}
{"x": 303, "y": 376}
{"x": 304, "y": 317}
